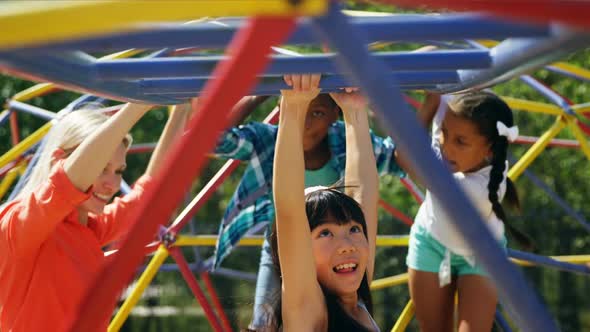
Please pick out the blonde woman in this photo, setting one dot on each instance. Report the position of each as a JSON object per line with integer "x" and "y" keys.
{"x": 51, "y": 235}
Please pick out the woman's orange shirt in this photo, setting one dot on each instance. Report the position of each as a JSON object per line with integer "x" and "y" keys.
{"x": 48, "y": 257}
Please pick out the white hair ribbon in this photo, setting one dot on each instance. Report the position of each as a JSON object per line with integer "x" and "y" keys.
{"x": 309, "y": 190}
{"x": 510, "y": 133}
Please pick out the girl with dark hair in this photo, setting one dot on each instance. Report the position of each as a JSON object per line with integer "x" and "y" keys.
{"x": 471, "y": 134}
{"x": 326, "y": 264}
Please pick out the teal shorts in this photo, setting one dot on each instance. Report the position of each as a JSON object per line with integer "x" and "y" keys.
{"x": 425, "y": 253}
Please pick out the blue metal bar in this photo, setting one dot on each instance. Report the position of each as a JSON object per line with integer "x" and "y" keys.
{"x": 514, "y": 57}
{"x": 413, "y": 140}
{"x": 548, "y": 262}
{"x": 556, "y": 198}
{"x": 4, "y": 116}
{"x": 74, "y": 70}
{"x": 547, "y": 92}
{"x": 402, "y": 27}
{"x": 318, "y": 63}
{"x": 275, "y": 84}
{"x": 24, "y": 107}
{"x": 272, "y": 92}
{"x": 501, "y": 321}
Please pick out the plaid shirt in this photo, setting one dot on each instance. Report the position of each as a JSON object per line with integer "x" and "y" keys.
{"x": 251, "y": 203}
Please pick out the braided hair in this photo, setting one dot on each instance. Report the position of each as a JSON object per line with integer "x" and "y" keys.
{"x": 485, "y": 110}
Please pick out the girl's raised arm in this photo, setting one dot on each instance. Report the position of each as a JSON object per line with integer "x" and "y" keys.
{"x": 360, "y": 176}
{"x": 301, "y": 293}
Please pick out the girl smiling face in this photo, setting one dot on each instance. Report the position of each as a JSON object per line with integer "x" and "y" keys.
{"x": 341, "y": 251}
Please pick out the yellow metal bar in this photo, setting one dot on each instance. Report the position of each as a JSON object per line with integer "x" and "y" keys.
{"x": 144, "y": 280}
{"x": 396, "y": 280}
{"x": 10, "y": 177}
{"x": 532, "y": 106}
{"x": 585, "y": 73}
{"x": 25, "y": 144}
{"x": 581, "y": 138}
{"x": 210, "y": 240}
{"x": 536, "y": 149}
{"x": 405, "y": 318}
{"x": 123, "y": 54}
{"x": 581, "y": 108}
{"x": 34, "y": 91}
{"x": 69, "y": 19}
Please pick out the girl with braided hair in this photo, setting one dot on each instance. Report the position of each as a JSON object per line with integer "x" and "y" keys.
{"x": 471, "y": 133}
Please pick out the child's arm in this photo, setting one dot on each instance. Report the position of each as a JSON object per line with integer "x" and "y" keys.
{"x": 238, "y": 142}
{"x": 88, "y": 161}
{"x": 173, "y": 129}
{"x": 301, "y": 293}
{"x": 360, "y": 176}
{"x": 425, "y": 116}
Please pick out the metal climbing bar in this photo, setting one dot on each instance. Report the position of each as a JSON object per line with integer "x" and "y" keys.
{"x": 201, "y": 198}
{"x": 281, "y": 64}
{"x": 547, "y": 261}
{"x": 71, "y": 19}
{"x": 17, "y": 150}
{"x": 569, "y": 12}
{"x": 400, "y": 279}
{"x": 215, "y": 33}
{"x": 558, "y": 200}
{"x": 532, "y": 106}
{"x": 179, "y": 88}
{"x": 514, "y": 57}
{"x": 501, "y": 321}
{"x": 536, "y": 149}
{"x": 256, "y": 240}
{"x": 570, "y": 70}
{"x": 142, "y": 283}
{"x": 196, "y": 289}
{"x": 395, "y": 213}
{"x": 73, "y": 70}
{"x": 514, "y": 291}
{"x": 405, "y": 318}
{"x": 584, "y": 146}
{"x": 549, "y": 93}
{"x": 215, "y": 299}
{"x": 556, "y": 142}
{"x": 34, "y": 110}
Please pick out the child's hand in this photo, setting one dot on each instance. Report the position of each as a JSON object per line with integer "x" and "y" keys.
{"x": 350, "y": 101}
{"x": 305, "y": 87}
{"x": 431, "y": 99}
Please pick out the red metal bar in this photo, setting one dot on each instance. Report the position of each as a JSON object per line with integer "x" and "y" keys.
{"x": 544, "y": 11}
{"x": 396, "y": 213}
{"x": 190, "y": 279}
{"x": 215, "y": 299}
{"x": 207, "y": 191}
{"x": 14, "y": 130}
{"x": 413, "y": 102}
{"x": 585, "y": 128}
{"x": 561, "y": 143}
{"x": 234, "y": 78}
{"x": 413, "y": 189}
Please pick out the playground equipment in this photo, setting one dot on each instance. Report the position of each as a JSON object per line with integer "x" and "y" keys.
{"x": 57, "y": 53}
